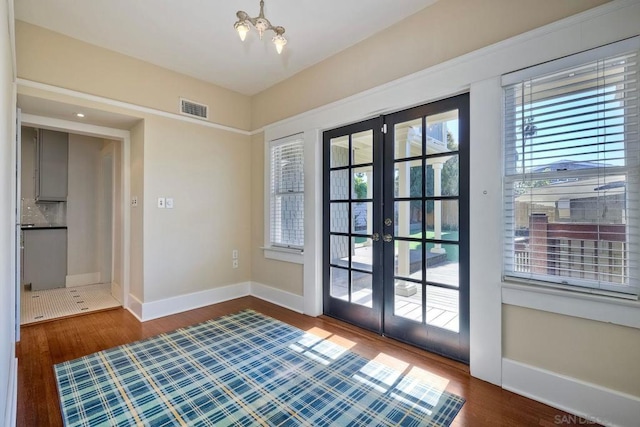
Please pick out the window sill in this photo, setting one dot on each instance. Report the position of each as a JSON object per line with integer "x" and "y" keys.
{"x": 283, "y": 254}
{"x": 593, "y": 307}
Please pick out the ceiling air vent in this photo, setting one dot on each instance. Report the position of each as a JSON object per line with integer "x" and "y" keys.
{"x": 193, "y": 109}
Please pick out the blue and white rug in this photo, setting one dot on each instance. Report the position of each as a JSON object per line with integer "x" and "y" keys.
{"x": 244, "y": 369}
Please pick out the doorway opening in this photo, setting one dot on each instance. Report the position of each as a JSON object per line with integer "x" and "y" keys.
{"x": 69, "y": 192}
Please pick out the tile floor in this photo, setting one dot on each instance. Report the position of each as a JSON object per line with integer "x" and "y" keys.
{"x": 38, "y": 306}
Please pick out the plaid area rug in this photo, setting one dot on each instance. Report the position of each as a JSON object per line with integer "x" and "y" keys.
{"x": 243, "y": 369}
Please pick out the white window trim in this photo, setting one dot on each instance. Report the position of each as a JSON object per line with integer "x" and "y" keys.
{"x": 531, "y": 286}
{"x": 600, "y": 308}
{"x": 279, "y": 253}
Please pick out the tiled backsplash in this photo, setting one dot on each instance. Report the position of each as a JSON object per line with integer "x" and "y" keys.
{"x": 43, "y": 213}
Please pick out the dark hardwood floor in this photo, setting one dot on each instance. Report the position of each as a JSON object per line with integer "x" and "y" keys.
{"x": 43, "y": 345}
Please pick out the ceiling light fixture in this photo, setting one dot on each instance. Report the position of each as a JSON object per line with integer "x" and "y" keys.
{"x": 81, "y": 115}
{"x": 261, "y": 24}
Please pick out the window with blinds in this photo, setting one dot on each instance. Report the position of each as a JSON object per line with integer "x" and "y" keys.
{"x": 571, "y": 166}
{"x": 287, "y": 193}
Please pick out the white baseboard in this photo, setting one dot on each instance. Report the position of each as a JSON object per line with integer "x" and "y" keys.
{"x": 590, "y": 401}
{"x": 82, "y": 279}
{"x": 155, "y": 309}
{"x": 10, "y": 411}
{"x": 279, "y": 297}
{"x": 165, "y": 307}
{"x": 135, "y": 307}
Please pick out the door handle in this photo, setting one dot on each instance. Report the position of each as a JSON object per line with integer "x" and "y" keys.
{"x": 387, "y": 237}
{"x": 375, "y": 237}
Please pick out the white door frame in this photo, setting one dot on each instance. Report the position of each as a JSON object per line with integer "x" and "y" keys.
{"x": 125, "y": 172}
{"x": 107, "y": 234}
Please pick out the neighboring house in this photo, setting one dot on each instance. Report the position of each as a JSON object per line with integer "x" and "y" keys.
{"x": 580, "y": 354}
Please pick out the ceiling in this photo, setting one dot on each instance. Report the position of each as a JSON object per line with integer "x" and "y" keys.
{"x": 63, "y": 111}
{"x": 197, "y": 38}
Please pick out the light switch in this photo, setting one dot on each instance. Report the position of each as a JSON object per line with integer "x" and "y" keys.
{"x": 161, "y": 202}
{"x": 169, "y": 202}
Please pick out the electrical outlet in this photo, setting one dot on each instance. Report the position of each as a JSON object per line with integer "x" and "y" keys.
{"x": 161, "y": 202}
{"x": 234, "y": 254}
{"x": 235, "y": 263}
{"x": 134, "y": 202}
{"x": 169, "y": 202}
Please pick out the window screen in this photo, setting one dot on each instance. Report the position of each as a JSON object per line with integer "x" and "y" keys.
{"x": 287, "y": 193}
{"x": 571, "y": 163}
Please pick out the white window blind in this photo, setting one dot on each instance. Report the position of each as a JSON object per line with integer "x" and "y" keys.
{"x": 571, "y": 165}
{"x": 287, "y": 193}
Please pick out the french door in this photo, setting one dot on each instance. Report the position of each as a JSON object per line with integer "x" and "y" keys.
{"x": 396, "y": 225}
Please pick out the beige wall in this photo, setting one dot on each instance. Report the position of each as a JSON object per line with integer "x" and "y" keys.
{"x": 82, "y": 205}
{"x": 48, "y": 57}
{"x": 595, "y": 352}
{"x": 207, "y": 173}
{"x": 282, "y": 275}
{"x": 442, "y": 31}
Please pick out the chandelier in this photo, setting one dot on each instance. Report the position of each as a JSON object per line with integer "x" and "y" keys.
{"x": 261, "y": 24}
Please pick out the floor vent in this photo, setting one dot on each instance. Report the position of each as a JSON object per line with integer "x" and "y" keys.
{"x": 193, "y": 109}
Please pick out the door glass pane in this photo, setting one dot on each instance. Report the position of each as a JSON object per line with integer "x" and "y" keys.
{"x": 408, "y": 219}
{"x": 362, "y": 183}
{"x": 443, "y": 263}
{"x": 362, "y": 288}
{"x": 339, "y": 184}
{"x": 362, "y": 217}
{"x": 408, "y": 259}
{"x": 442, "y": 219}
{"x": 442, "y": 178}
{"x": 339, "y": 217}
{"x": 362, "y": 257}
{"x": 408, "y": 139}
{"x": 340, "y": 249}
{"x": 408, "y": 179}
{"x": 338, "y": 281}
{"x": 340, "y": 151}
{"x": 362, "y": 144}
{"x": 443, "y": 308}
{"x": 408, "y": 300}
{"x": 442, "y": 132}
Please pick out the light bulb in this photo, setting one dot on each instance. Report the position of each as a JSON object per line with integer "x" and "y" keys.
{"x": 242, "y": 28}
{"x": 279, "y": 41}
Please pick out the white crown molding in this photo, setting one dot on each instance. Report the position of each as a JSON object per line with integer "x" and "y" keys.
{"x": 129, "y": 106}
{"x": 594, "y": 403}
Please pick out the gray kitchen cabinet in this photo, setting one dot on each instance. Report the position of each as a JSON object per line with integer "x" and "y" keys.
{"x": 45, "y": 257}
{"x": 52, "y": 165}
